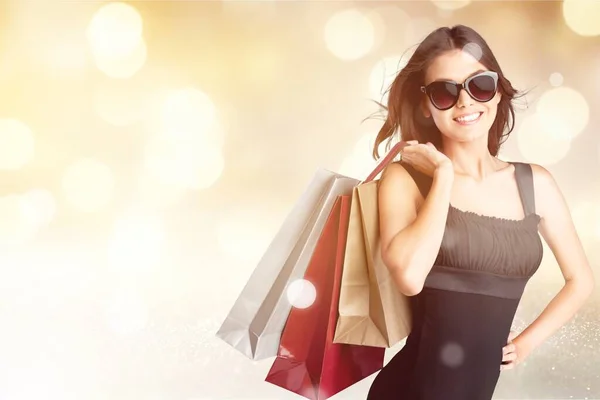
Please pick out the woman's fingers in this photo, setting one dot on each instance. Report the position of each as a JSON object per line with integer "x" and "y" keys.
{"x": 509, "y": 357}
{"x": 509, "y": 348}
{"x": 505, "y": 367}
{"x": 415, "y": 148}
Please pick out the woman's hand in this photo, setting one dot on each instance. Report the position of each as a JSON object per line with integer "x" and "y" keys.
{"x": 425, "y": 158}
{"x": 513, "y": 353}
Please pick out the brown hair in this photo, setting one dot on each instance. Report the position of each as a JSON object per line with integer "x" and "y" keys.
{"x": 403, "y": 109}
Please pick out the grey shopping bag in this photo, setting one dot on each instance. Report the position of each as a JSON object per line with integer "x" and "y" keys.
{"x": 257, "y": 318}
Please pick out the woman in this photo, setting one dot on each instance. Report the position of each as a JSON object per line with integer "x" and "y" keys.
{"x": 459, "y": 227}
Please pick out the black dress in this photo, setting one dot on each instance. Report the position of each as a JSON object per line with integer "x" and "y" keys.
{"x": 463, "y": 315}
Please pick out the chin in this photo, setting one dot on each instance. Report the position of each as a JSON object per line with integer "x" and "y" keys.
{"x": 468, "y": 133}
{"x": 470, "y": 136}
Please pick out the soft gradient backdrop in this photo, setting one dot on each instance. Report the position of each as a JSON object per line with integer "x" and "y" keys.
{"x": 149, "y": 151}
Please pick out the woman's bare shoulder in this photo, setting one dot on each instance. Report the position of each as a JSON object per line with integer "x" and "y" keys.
{"x": 398, "y": 179}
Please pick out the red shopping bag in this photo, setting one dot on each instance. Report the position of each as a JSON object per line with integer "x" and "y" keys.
{"x": 308, "y": 362}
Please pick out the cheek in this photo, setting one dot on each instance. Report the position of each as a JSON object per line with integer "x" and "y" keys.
{"x": 441, "y": 117}
{"x": 442, "y": 120}
{"x": 492, "y": 106}
{"x": 496, "y": 100}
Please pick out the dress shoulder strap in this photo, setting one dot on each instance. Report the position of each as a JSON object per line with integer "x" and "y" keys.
{"x": 524, "y": 177}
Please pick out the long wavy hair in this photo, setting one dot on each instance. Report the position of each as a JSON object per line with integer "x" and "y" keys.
{"x": 403, "y": 111}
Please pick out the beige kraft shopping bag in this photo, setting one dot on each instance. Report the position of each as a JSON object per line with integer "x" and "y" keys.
{"x": 372, "y": 311}
{"x": 395, "y": 306}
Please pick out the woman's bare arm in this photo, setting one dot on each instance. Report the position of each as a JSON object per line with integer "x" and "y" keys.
{"x": 412, "y": 228}
{"x": 558, "y": 230}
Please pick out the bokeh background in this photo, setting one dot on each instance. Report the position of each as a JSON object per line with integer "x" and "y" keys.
{"x": 150, "y": 150}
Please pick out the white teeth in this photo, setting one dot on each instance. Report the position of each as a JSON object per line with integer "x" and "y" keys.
{"x": 468, "y": 118}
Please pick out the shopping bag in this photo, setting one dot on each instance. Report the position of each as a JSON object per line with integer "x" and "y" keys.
{"x": 308, "y": 362}
{"x": 372, "y": 311}
{"x": 256, "y": 320}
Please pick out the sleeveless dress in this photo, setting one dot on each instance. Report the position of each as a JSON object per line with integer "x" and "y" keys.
{"x": 462, "y": 317}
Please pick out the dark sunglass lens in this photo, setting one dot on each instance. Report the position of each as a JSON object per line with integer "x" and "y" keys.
{"x": 443, "y": 94}
{"x": 482, "y": 87}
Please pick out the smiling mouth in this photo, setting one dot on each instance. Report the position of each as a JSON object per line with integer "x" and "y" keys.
{"x": 468, "y": 119}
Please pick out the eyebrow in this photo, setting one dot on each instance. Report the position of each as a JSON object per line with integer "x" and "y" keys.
{"x": 452, "y": 80}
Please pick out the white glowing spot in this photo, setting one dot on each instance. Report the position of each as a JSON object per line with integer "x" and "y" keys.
{"x": 582, "y": 16}
{"x": 38, "y": 206}
{"x": 17, "y": 144}
{"x": 115, "y": 30}
{"x": 127, "y": 314}
{"x": 301, "y": 293}
{"x": 383, "y": 74}
{"x": 538, "y": 145}
{"x": 188, "y": 112}
{"x": 474, "y": 50}
{"x": 187, "y": 154}
{"x": 137, "y": 244}
{"x": 88, "y": 185}
{"x": 283, "y": 351}
{"x": 556, "y": 79}
{"x": 349, "y": 35}
{"x": 563, "y": 112}
{"x": 389, "y": 20}
{"x": 445, "y": 14}
{"x": 379, "y": 27}
{"x": 123, "y": 66}
{"x": 115, "y": 35}
{"x": 451, "y": 4}
{"x": 452, "y": 355}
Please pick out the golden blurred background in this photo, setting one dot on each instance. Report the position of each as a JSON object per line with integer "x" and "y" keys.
{"x": 150, "y": 150}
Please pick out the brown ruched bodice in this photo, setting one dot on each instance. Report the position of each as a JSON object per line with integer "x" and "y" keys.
{"x": 488, "y": 244}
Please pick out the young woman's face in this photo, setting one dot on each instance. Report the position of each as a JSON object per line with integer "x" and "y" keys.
{"x": 468, "y": 119}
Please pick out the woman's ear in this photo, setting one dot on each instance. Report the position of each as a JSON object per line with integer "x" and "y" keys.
{"x": 425, "y": 110}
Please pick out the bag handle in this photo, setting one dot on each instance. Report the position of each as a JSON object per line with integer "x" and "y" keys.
{"x": 386, "y": 160}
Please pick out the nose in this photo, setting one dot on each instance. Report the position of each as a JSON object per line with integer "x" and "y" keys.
{"x": 464, "y": 100}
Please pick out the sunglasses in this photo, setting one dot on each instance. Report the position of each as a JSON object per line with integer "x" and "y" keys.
{"x": 444, "y": 94}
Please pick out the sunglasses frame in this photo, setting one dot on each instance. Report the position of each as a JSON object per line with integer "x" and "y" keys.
{"x": 465, "y": 85}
